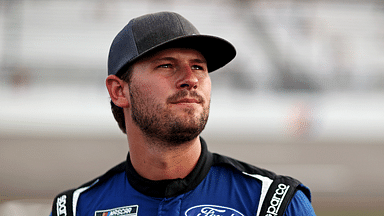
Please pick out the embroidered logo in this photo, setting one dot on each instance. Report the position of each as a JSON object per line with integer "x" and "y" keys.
{"x": 60, "y": 206}
{"x": 120, "y": 211}
{"x": 212, "y": 210}
{"x": 277, "y": 199}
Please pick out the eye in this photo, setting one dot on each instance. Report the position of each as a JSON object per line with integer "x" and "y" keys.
{"x": 165, "y": 66}
{"x": 197, "y": 67}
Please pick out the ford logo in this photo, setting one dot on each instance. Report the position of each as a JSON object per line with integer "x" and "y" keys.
{"x": 212, "y": 210}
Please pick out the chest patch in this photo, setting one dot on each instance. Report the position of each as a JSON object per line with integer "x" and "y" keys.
{"x": 212, "y": 210}
{"x": 120, "y": 211}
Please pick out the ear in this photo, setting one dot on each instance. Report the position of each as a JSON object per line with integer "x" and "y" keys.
{"x": 118, "y": 91}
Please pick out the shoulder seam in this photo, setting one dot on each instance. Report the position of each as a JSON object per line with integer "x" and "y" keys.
{"x": 242, "y": 166}
{"x": 265, "y": 185}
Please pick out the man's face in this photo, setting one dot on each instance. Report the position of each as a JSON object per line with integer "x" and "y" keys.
{"x": 170, "y": 95}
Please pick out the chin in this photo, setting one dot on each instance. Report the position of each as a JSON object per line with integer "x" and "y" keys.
{"x": 178, "y": 139}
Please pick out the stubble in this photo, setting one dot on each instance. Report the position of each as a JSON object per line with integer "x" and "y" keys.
{"x": 158, "y": 122}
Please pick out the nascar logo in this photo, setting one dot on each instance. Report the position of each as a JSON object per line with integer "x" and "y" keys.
{"x": 121, "y": 211}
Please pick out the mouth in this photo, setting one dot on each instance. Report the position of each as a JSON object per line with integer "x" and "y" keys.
{"x": 187, "y": 101}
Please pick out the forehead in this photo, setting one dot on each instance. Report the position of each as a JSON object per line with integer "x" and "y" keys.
{"x": 174, "y": 53}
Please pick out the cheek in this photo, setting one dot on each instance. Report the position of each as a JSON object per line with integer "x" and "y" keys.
{"x": 148, "y": 89}
{"x": 157, "y": 88}
{"x": 206, "y": 88}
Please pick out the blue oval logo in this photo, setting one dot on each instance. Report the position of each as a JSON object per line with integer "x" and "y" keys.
{"x": 212, "y": 210}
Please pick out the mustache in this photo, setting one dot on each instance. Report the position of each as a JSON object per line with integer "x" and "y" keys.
{"x": 183, "y": 94}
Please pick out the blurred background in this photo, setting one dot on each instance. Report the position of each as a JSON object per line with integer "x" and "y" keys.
{"x": 304, "y": 96}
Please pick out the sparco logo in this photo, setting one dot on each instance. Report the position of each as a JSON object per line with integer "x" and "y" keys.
{"x": 212, "y": 210}
{"x": 121, "y": 211}
{"x": 277, "y": 199}
{"x": 60, "y": 205}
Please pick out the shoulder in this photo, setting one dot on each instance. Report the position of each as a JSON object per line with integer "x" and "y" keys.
{"x": 279, "y": 193}
{"x": 65, "y": 203}
{"x": 300, "y": 205}
{"x": 244, "y": 168}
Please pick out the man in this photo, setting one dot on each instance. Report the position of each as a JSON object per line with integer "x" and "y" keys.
{"x": 160, "y": 89}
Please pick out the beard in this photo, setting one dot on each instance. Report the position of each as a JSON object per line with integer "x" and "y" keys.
{"x": 158, "y": 122}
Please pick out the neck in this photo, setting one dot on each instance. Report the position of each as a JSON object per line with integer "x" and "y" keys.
{"x": 155, "y": 160}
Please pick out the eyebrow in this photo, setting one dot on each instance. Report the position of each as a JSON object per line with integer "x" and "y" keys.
{"x": 199, "y": 60}
{"x": 196, "y": 60}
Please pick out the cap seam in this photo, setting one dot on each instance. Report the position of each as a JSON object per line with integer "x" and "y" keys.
{"x": 180, "y": 23}
{"x": 134, "y": 38}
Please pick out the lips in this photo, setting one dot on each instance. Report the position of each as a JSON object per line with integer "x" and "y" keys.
{"x": 187, "y": 100}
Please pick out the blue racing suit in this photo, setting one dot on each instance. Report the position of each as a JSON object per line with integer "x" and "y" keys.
{"x": 218, "y": 186}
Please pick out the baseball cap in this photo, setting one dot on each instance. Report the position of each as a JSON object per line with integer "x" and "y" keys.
{"x": 157, "y": 31}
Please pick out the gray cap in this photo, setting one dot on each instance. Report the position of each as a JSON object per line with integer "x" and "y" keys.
{"x": 163, "y": 30}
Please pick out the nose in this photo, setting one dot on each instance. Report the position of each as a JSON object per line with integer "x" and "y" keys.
{"x": 188, "y": 79}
